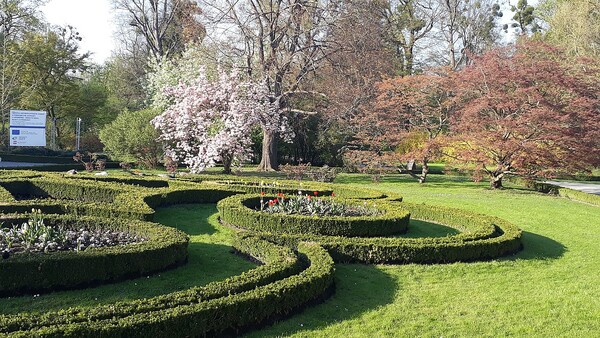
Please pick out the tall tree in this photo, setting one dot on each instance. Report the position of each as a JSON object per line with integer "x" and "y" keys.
{"x": 407, "y": 23}
{"x": 17, "y": 17}
{"x": 211, "y": 121}
{"x": 524, "y": 17}
{"x": 573, "y": 25}
{"x": 524, "y": 113}
{"x": 150, "y": 30}
{"x": 467, "y": 28}
{"x": 281, "y": 41}
{"x": 161, "y": 28}
{"x": 52, "y": 63}
{"x": 414, "y": 108}
{"x": 347, "y": 79}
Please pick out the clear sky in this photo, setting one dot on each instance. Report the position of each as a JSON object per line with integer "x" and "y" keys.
{"x": 93, "y": 19}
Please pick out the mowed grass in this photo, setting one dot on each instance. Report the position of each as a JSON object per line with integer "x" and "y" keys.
{"x": 550, "y": 289}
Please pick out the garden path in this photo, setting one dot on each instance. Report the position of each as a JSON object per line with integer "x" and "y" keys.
{"x": 589, "y": 187}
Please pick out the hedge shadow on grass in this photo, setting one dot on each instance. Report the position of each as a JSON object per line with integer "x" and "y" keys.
{"x": 539, "y": 247}
{"x": 353, "y": 282}
{"x": 418, "y": 228}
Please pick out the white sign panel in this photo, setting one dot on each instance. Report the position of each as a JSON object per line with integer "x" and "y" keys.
{"x": 27, "y": 128}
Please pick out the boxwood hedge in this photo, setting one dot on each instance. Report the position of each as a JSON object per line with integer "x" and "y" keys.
{"x": 241, "y": 210}
{"x": 276, "y": 289}
{"x": 483, "y": 238}
{"x": 36, "y": 272}
{"x": 297, "y": 268}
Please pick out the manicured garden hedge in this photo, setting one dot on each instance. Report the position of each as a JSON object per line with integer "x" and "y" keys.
{"x": 297, "y": 268}
{"x": 221, "y": 306}
{"x": 241, "y": 210}
{"x": 55, "y": 188}
{"x": 36, "y": 272}
{"x": 567, "y": 193}
{"x": 485, "y": 238}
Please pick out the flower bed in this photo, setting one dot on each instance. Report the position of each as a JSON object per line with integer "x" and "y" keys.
{"x": 243, "y": 211}
{"x": 33, "y": 235}
{"x": 484, "y": 238}
{"x": 34, "y": 272}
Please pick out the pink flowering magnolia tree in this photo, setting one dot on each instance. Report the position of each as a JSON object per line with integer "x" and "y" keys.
{"x": 210, "y": 121}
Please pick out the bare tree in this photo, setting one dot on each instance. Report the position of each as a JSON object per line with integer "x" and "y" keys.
{"x": 467, "y": 28}
{"x": 280, "y": 41}
{"x": 160, "y": 28}
{"x": 407, "y": 22}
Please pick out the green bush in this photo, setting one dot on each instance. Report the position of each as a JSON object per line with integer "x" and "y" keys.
{"x": 61, "y": 189}
{"x": 131, "y": 138}
{"x": 34, "y": 272}
{"x": 240, "y": 210}
{"x": 209, "y": 310}
{"x": 485, "y": 238}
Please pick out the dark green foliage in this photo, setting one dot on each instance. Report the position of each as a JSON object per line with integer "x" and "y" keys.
{"x": 483, "y": 237}
{"x": 164, "y": 247}
{"x": 212, "y": 309}
{"x": 241, "y": 210}
{"x": 132, "y": 138}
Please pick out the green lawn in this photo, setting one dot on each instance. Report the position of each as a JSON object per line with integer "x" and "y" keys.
{"x": 550, "y": 289}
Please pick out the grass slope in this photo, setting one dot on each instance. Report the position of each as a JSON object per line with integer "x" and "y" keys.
{"x": 550, "y": 289}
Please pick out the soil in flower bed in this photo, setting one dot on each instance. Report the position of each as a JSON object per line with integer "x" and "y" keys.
{"x": 12, "y": 240}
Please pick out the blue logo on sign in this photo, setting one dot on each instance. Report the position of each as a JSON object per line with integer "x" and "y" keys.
{"x": 16, "y": 132}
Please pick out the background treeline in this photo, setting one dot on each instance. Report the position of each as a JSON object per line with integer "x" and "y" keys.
{"x": 332, "y": 65}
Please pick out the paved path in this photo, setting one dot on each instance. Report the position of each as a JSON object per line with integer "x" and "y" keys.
{"x": 589, "y": 187}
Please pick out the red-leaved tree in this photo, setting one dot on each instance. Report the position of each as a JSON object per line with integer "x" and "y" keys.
{"x": 521, "y": 111}
{"x": 408, "y": 115}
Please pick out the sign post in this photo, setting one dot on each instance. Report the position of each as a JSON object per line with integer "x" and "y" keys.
{"x": 27, "y": 128}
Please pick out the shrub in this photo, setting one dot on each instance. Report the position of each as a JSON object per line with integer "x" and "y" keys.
{"x": 131, "y": 138}
{"x": 240, "y": 210}
{"x": 37, "y": 272}
{"x": 486, "y": 238}
{"x": 237, "y": 303}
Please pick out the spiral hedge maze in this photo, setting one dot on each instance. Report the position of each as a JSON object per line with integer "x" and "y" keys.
{"x": 297, "y": 253}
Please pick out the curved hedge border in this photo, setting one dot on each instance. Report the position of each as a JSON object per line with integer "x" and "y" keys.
{"x": 484, "y": 237}
{"x": 229, "y": 305}
{"x": 239, "y": 210}
{"x": 285, "y": 283}
{"x": 28, "y": 273}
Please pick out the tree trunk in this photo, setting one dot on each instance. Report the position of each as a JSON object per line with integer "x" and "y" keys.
{"x": 496, "y": 182}
{"x": 227, "y": 160}
{"x": 268, "y": 161}
{"x": 424, "y": 172}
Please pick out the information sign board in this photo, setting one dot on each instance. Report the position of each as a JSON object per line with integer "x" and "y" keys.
{"x": 27, "y": 128}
